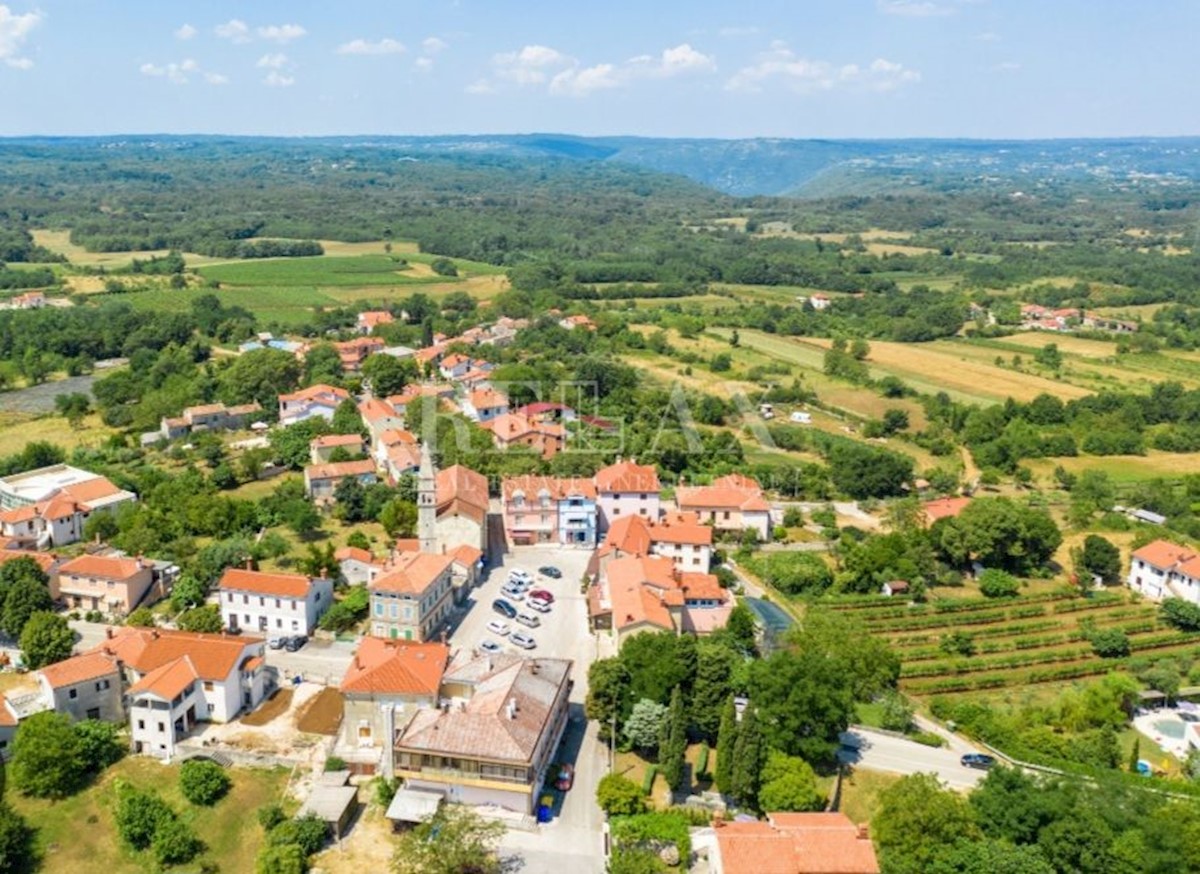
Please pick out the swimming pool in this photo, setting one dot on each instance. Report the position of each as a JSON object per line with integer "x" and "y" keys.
{"x": 1172, "y": 728}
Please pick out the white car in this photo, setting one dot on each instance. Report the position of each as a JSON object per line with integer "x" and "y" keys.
{"x": 520, "y": 575}
{"x": 512, "y": 593}
{"x": 498, "y": 627}
{"x": 522, "y": 640}
{"x": 538, "y": 604}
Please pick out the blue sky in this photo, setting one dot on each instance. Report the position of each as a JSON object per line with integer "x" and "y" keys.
{"x": 781, "y": 68}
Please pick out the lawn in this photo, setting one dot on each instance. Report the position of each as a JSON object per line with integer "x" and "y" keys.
{"x": 18, "y": 429}
{"x": 860, "y": 793}
{"x": 78, "y": 833}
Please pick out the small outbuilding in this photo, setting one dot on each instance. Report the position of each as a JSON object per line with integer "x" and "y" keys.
{"x": 333, "y": 801}
{"x": 894, "y": 587}
{"x": 411, "y": 806}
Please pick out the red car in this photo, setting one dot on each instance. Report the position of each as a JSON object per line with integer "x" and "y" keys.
{"x": 566, "y": 778}
{"x": 542, "y": 595}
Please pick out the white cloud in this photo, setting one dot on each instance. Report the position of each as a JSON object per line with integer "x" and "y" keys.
{"x": 186, "y": 32}
{"x": 431, "y": 45}
{"x": 281, "y": 33}
{"x": 806, "y": 75}
{"x": 275, "y": 79}
{"x": 531, "y": 65}
{"x": 385, "y": 46}
{"x": 176, "y": 73}
{"x": 481, "y": 86}
{"x": 216, "y": 79}
{"x": 579, "y": 83}
{"x": 234, "y": 30}
{"x": 913, "y": 8}
{"x": 272, "y": 62}
{"x": 988, "y": 36}
{"x": 684, "y": 59}
{"x": 14, "y": 29}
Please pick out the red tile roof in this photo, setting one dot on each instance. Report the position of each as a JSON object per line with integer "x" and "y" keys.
{"x": 460, "y": 489}
{"x": 412, "y": 573}
{"x": 327, "y": 440}
{"x": 944, "y": 508}
{"x": 733, "y": 492}
{"x": 260, "y": 583}
{"x": 44, "y": 559}
{"x": 339, "y": 469}
{"x": 168, "y": 680}
{"x": 144, "y": 649}
{"x": 79, "y": 669}
{"x": 392, "y": 667}
{"x": 1165, "y": 555}
{"x": 626, "y": 476}
{"x": 108, "y": 567}
{"x": 317, "y": 392}
{"x": 796, "y": 843}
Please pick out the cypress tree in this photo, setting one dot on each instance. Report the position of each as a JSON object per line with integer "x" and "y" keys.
{"x": 748, "y": 755}
{"x": 673, "y": 747}
{"x": 726, "y": 739}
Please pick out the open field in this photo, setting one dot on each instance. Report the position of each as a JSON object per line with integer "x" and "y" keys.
{"x": 18, "y": 429}
{"x": 1122, "y": 468}
{"x": 357, "y": 270}
{"x": 78, "y": 833}
{"x": 59, "y": 241}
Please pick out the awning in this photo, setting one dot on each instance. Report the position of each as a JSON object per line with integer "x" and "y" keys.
{"x": 413, "y": 805}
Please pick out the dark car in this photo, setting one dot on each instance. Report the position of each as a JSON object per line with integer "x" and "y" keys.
{"x": 550, "y": 571}
{"x": 566, "y": 778}
{"x": 977, "y": 760}
{"x": 294, "y": 643}
{"x": 504, "y": 608}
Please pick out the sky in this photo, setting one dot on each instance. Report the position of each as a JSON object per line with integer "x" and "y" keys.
{"x": 701, "y": 68}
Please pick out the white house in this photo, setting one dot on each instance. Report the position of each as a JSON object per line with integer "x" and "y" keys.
{"x": 50, "y": 506}
{"x": 272, "y": 603}
{"x": 485, "y": 404}
{"x": 625, "y": 489}
{"x": 316, "y": 400}
{"x": 1162, "y": 569}
{"x": 358, "y": 565}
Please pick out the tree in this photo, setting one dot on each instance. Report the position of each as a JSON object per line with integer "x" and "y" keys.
{"x": 351, "y": 500}
{"x": 281, "y": 859}
{"x": 46, "y": 639}
{"x": 388, "y": 375}
{"x": 1181, "y": 614}
{"x": 917, "y": 819}
{"x": 203, "y": 782}
{"x": 187, "y": 592}
{"x": 995, "y": 583}
{"x": 455, "y": 840}
{"x": 672, "y": 748}
{"x": 17, "y": 853}
{"x": 1078, "y": 842}
{"x": 307, "y": 832}
{"x": 399, "y": 518}
{"x": 788, "y": 783}
{"x": 175, "y": 843}
{"x": 617, "y": 795}
{"x": 142, "y": 617}
{"x": 100, "y": 743}
{"x": 1049, "y": 356}
{"x": 643, "y": 728}
{"x": 748, "y": 753}
{"x": 101, "y": 527}
{"x": 608, "y": 694}
{"x": 1110, "y": 643}
{"x": 259, "y": 375}
{"x": 990, "y": 857}
{"x": 897, "y": 711}
{"x": 206, "y": 619}
{"x": 140, "y": 815}
{"x": 22, "y": 599}
{"x": 795, "y": 573}
{"x": 998, "y": 533}
{"x": 302, "y": 517}
{"x": 1099, "y": 558}
{"x": 865, "y": 662}
{"x": 716, "y": 661}
{"x": 48, "y": 757}
{"x": 726, "y": 743}
{"x": 1012, "y": 805}
{"x": 346, "y": 418}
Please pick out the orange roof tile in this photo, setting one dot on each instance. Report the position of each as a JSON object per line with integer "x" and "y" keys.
{"x": 459, "y": 488}
{"x": 92, "y": 489}
{"x": 465, "y": 554}
{"x": 19, "y": 514}
{"x": 1164, "y": 554}
{"x": 557, "y": 487}
{"x": 144, "y": 649}
{"x": 392, "y": 436}
{"x": 79, "y": 669}
{"x": 168, "y": 680}
{"x": 260, "y": 583}
{"x": 626, "y": 476}
{"x": 733, "y": 492}
{"x": 327, "y": 440}
{"x": 44, "y": 559}
{"x": 320, "y": 391}
{"x": 796, "y": 843}
{"x": 412, "y": 573}
{"x": 373, "y": 318}
{"x": 339, "y": 469}
{"x": 106, "y": 566}
{"x": 353, "y": 553}
{"x": 682, "y": 528}
{"x": 392, "y": 667}
{"x": 8, "y": 717}
{"x": 374, "y": 410}
{"x": 487, "y": 398}
{"x": 944, "y": 508}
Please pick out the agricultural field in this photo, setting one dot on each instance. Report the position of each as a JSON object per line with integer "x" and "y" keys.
{"x": 1038, "y": 638}
{"x": 334, "y": 271}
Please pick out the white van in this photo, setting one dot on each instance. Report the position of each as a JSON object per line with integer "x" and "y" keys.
{"x": 528, "y": 619}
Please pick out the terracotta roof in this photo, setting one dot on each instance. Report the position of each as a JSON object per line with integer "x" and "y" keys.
{"x": 168, "y": 680}
{"x": 79, "y": 669}
{"x": 1165, "y": 555}
{"x": 633, "y": 603}
{"x": 430, "y": 353}
{"x": 404, "y": 456}
{"x": 339, "y": 469}
{"x": 733, "y": 492}
{"x": 412, "y": 573}
{"x": 486, "y": 398}
{"x": 944, "y": 508}
{"x": 796, "y": 843}
{"x": 682, "y": 528}
{"x": 393, "y": 667}
{"x": 44, "y": 559}
{"x": 700, "y": 586}
{"x": 321, "y": 391}
{"x": 372, "y": 318}
{"x": 107, "y": 566}
{"x": 92, "y": 489}
{"x": 452, "y": 361}
{"x": 541, "y": 407}
{"x": 353, "y": 553}
{"x": 260, "y": 583}
{"x": 253, "y": 663}
{"x": 373, "y": 410}
{"x": 626, "y": 476}
{"x": 465, "y": 554}
{"x": 326, "y": 440}
{"x": 392, "y": 436}
{"x": 8, "y": 717}
{"x": 203, "y": 409}
{"x": 557, "y": 487}
{"x": 144, "y": 649}
{"x": 19, "y": 514}
{"x": 460, "y": 489}
{"x": 510, "y": 709}
{"x": 512, "y": 426}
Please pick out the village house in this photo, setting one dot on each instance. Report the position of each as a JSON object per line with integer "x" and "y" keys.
{"x": 648, "y": 593}
{"x": 113, "y": 585}
{"x": 321, "y": 449}
{"x": 625, "y": 489}
{"x": 483, "y": 405}
{"x": 943, "y": 508}
{"x": 461, "y": 504}
{"x": 86, "y": 686}
{"x": 9, "y": 718}
{"x": 51, "y": 505}
{"x": 321, "y": 480}
{"x": 412, "y": 598}
{"x": 677, "y": 536}
{"x": 354, "y": 352}
{"x": 368, "y": 321}
{"x": 731, "y": 503}
{"x": 379, "y": 417}
{"x": 209, "y": 417}
{"x": 385, "y": 684}
{"x": 29, "y": 300}
{"x": 272, "y": 603}
{"x": 579, "y": 321}
{"x": 542, "y": 509}
{"x": 497, "y": 737}
{"x": 358, "y": 565}
{"x": 547, "y": 412}
{"x": 466, "y": 564}
{"x": 819, "y": 301}
{"x": 316, "y": 400}
{"x": 509, "y": 430}
{"x": 1162, "y": 569}
{"x": 792, "y": 843}
{"x": 401, "y": 458}
{"x": 454, "y": 366}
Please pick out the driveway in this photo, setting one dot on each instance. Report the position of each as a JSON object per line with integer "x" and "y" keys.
{"x": 319, "y": 660}
{"x": 884, "y": 752}
{"x": 572, "y": 840}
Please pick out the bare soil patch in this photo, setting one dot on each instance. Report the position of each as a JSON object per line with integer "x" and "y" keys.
{"x": 322, "y": 714}
{"x": 275, "y": 706}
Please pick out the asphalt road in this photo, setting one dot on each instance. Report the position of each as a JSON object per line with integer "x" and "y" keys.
{"x": 884, "y": 752}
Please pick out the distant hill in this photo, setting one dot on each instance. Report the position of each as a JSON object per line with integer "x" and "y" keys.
{"x": 803, "y": 168}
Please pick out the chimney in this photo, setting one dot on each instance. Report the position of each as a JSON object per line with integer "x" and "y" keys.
{"x": 154, "y": 634}
{"x": 864, "y": 833}
{"x": 249, "y": 564}
{"x": 718, "y": 819}
{"x": 108, "y": 633}
{"x": 357, "y": 662}
{"x": 512, "y": 708}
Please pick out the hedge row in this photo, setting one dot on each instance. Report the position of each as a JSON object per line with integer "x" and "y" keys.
{"x": 1007, "y": 662}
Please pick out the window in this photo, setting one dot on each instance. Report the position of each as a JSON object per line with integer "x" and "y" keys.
{"x": 162, "y": 726}
{"x": 73, "y": 694}
{"x": 208, "y": 686}
{"x": 725, "y": 515}
{"x": 141, "y": 725}
{"x": 278, "y": 623}
{"x": 245, "y": 599}
{"x": 379, "y": 608}
{"x": 102, "y": 685}
{"x": 278, "y": 603}
{"x": 262, "y": 602}
{"x": 93, "y": 713}
{"x": 616, "y": 511}
{"x": 295, "y": 625}
{"x": 230, "y": 597}
{"x": 211, "y": 707}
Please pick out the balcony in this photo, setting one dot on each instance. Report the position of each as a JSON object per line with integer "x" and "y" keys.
{"x": 456, "y": 775}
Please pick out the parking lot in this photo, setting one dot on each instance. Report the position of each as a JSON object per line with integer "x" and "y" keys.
{"x": 573, "y": 838}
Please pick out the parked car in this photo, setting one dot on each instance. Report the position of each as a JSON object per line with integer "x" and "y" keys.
{"x": 498, "y": 627}
{"x": 504, "y": 608}
{"x": 566, "y": 777}
{"x": 517, "y": 583}
{"x": 294, "y": 643}
{"x": 538, "y": 604}
{"x": 520, "y": 574}
{"x": 513, "y": 593}
{"x": 977, "y": 760}
{"x": 528, "y": 620}
{"x": 276, "y": 642}
{"x": 550, "y": 571}
{"x": 523, "y": 640}
{"x": 542, "y": 595}
{"x": 490, "y": 647}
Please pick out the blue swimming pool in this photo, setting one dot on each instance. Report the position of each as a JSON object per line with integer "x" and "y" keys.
{"x": 1172, "y": 728}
